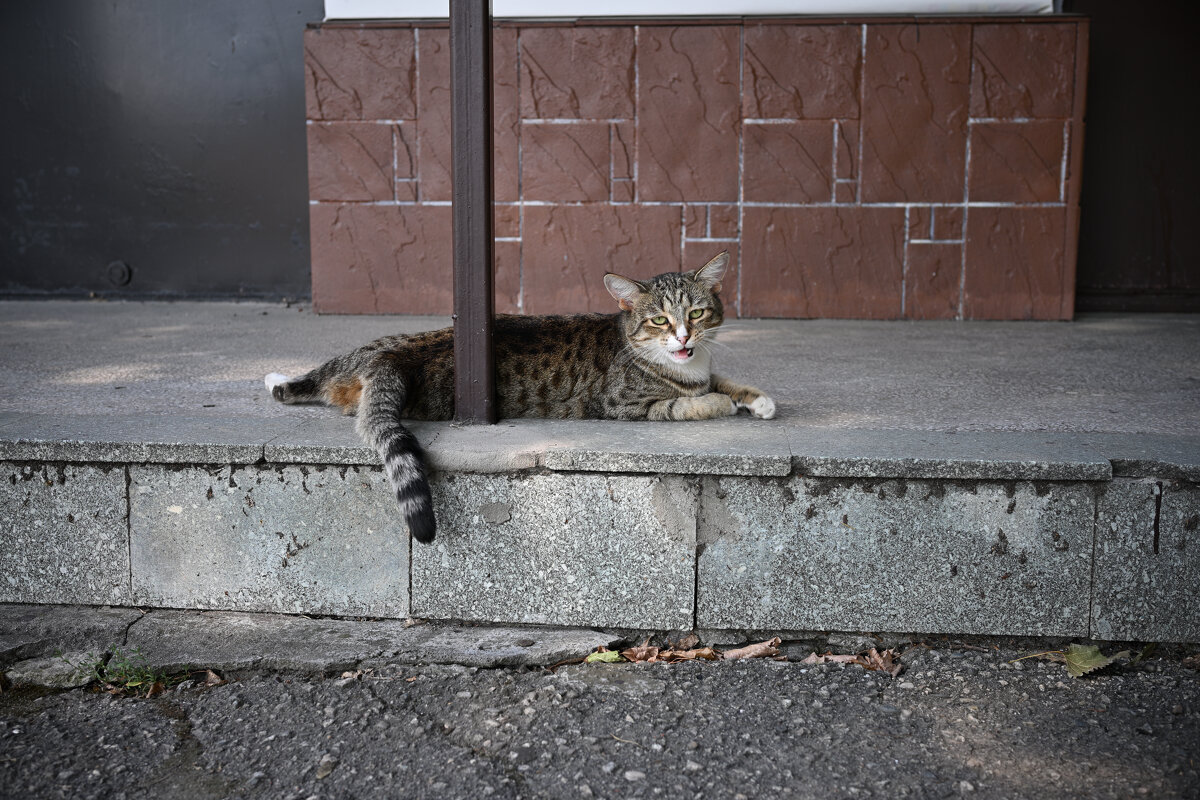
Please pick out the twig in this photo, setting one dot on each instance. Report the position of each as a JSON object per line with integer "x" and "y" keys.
{"x": 1038, "y": 655}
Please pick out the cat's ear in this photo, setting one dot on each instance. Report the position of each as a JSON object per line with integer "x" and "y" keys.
{"x": 623, "y": 290}
{"x": 712, "y": 272}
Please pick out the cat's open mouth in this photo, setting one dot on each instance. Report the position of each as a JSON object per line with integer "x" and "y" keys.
{"x": 682, "y": 354}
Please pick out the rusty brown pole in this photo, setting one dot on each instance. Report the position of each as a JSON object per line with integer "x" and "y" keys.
{"x": 471, "y": 160}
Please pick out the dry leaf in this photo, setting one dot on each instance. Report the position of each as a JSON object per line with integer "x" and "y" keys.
{"x": 760, "y": 650}
{"x": 672, "y": 656}
{"x": 883, "y": 662}
{"x": 829, "y": 658}
{"x": 1192, "y": 662}
{"x": 872, "y": 660}
{"x": 643, "y": 652}
{"x": 156, "y": 689}
{"x": 213, "y": 679}
{"x": 686, "y": 643}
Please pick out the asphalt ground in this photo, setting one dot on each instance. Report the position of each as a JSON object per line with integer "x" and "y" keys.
{"x": 958, "y": 721}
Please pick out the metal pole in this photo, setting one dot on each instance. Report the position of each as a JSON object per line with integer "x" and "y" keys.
{"x": 471, "y": 150}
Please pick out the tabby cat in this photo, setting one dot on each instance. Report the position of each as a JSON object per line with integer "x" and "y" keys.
{"x": 651, "y": 360}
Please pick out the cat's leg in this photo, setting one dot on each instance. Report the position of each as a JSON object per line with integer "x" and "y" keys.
{"x": 334, "y": 383}
{"x": 706, "y": 406}
{"x": 305, "y": 389}
{"x": 747, "y": 397}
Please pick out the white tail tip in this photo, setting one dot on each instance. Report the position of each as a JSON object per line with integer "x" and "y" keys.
{"x": 274, "y": 379}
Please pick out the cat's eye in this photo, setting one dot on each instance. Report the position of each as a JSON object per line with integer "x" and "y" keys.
{"x": 659, "y": 320}
{"x": 696, "y": 313}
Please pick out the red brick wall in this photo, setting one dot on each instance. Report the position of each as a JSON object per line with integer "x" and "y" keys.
{"x": 882, "y": 170}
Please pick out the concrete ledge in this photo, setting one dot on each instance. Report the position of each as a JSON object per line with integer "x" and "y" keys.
{"x": 1107, "y": 559}
{"x": 977, "y": 455}
{"x": 738, "y": 446}
{"x": 137, "y": 439}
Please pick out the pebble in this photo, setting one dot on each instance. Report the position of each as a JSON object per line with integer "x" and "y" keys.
{"x": 692, "y": 766}
{"x": 633, "y": 775}
{"x": 907, "y": 685}
{"x": 966, "y": 786}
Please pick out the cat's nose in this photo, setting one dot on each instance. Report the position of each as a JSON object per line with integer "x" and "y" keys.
{"x": 682, "y": 339}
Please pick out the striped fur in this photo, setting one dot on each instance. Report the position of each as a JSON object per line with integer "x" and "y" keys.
{"x": 652, "y": 360}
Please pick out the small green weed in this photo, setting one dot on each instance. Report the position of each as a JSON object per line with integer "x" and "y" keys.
{"x": 124, "y": 673}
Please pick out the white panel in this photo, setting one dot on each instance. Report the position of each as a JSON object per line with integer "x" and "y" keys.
{"x": 414, "y": 9}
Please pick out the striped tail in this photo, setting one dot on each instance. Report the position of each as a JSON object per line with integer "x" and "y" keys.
{"x": 379, "y": 423}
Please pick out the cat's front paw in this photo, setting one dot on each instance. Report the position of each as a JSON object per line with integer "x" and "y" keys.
{"x": 763, "y": 408}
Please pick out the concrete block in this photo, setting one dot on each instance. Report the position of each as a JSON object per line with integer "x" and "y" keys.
{"x": 894, "y": 555}
{"x": 1149, "y": 455}
{"x": 508, "y": 445}
{"x": 139, "y": 438}
{"x": 223, "y": 640}
{"x": 67, "y": 670}
{"x": 34, "y": 631}
{"x": 63, "y": 534}
{"x": 287, "y": 539}
{"x": 327, "y": 439}
{"x": 181, "y": 640}
{"x": 568, "y": 549}
{"x": 974, "y": 455}
{"x": 741, "y": 446}
{"x": 1147, "y": 561}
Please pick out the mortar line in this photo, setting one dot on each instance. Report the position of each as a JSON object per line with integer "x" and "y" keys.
{"x": 834, "y": 182}
{"x": 415, "y": 154}
{"x": 520, "y": 216}
{"x": 862, "y": 104}
{"x": 966, "y": 199}
{"x": 741, "y": 173}
{"x": 635, "y": 169}
{"x": 1062, "y": 174}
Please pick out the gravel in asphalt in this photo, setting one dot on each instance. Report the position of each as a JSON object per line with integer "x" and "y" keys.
{"x": 957, "y": 722}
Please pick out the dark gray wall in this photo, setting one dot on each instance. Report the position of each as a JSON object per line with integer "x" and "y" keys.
{"x": 1139, "y": 237}
{"x": 167, "y": 134}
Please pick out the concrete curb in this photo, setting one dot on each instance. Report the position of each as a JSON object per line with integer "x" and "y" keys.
{"x": 538, "y": 528}
{"x": 37, "y": 642}
{"x": 760, "y": 448}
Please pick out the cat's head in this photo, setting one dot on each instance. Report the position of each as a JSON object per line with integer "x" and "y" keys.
{"x": 672, "y": 318}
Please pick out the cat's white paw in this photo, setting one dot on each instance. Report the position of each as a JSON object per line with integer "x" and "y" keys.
{"x": 763, "y": 408}
{"x": 274, "y": 379}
